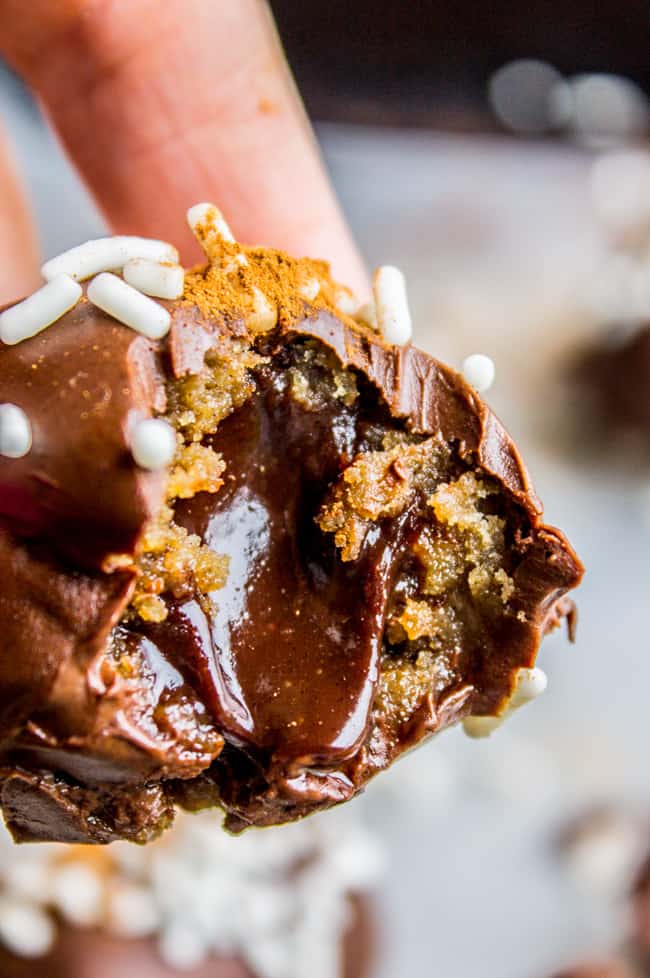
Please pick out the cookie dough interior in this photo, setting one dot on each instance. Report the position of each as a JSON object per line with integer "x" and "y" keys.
{"x": 344, "y": 556}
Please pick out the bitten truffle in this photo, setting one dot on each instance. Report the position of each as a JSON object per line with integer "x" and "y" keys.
{"x": 344, "y": 555}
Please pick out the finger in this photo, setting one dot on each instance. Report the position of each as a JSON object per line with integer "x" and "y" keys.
{"x": 19, "y": 258}
{"x": 163, "y": 105}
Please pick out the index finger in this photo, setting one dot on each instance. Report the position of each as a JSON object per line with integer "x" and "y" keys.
{"x": 19, "y": 254}
{"x": 162, "y": 105}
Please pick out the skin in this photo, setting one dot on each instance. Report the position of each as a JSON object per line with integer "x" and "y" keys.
{"x": 161, "y": 105}
{"x": 18, "y": 245}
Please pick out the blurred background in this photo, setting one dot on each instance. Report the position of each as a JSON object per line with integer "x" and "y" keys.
{"x": 500, "y": 156}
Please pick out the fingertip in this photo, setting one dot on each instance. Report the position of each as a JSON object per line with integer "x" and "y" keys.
{"x": 18, "y": 240}
{"x": 196, "y": 103}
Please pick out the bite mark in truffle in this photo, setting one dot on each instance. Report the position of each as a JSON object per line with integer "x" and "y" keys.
{"x": 345, "y": 555}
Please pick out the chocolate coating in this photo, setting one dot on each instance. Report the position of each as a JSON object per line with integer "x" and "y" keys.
{"x": 267, "y": 701}
{"x": 82, "y": 385}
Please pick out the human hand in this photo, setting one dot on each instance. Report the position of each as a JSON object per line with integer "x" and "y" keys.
{"x": 162, "y": 105}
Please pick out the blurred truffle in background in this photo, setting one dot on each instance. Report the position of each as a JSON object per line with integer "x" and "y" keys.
{"x": 289, "y": 903}
{"x": 606, "y": 852}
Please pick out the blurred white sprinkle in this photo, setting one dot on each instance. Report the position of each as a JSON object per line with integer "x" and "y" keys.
{"x": 276, "y": 900}
{"x": 162, "y": 280}
{"x": 479, "y": 371}
{"x": 39, "y": 310}
{"x": 25, "y": 930}
{"x": 182, "y": 947}
{"x": 77, "y": 893}
{"x": 128, "y": 306}
{"x": 391, "y": 304}
{"x": 520, "y": 95}
{"x": 15, "y": 431}
{"x": 606, "y": 109}
{"x": 132, "y": 911}
{"x": 28, "y": 875}
{"x": 104, "y": 254}
{"x": 153, "y": 443}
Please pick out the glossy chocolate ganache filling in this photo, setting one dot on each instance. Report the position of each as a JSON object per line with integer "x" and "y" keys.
{"x": 344, "y": 555}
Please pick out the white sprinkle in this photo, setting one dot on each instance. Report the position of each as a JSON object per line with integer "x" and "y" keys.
{"x": 28, "y": 877}
{"x": 346, "y": 301}
{"x": 235, "y": 263}
{"x": 153, "y": 443}
{"x": 39, "y": 310}
{"x": 264, "y": 315}
{"x": 309, "y": 289}
{"x": 104, "y": 254}
{"x": 182, "y": 948}
{"x": 530, "y": 684}
{"x": 477, "y": 727}
{"x": 77, "y": 893}
{"x": 367, "y": 314}
{"x": 132, "y": 911}
{"x": 209, "y": 228}
{"x": 15, "y": 431}
{"x": 128, "y": 306}
{"x": 479, "y": 371}
{"x": 162, "y": 280}
{"x": 25, "y": 929}
{"x": 391, "y": 303}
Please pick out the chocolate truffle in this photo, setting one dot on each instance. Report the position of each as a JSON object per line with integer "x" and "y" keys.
{"x": 92, "y": 954}
{"x": 344, "y": 555}
{"x": 606, "y": 850}
{"x": 294, "y": 903}
{"x": 641, "y": 910}
{"x": 614, "y": 377}
{"x": 598, "y": 969}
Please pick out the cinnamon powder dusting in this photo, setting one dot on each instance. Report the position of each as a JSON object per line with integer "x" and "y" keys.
{"x": 232, "y": 286}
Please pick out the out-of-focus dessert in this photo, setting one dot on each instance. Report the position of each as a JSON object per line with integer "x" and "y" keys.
{"x": 598, "y": 969}
{"x": 286, "y": 904}
{"x": 606, "y": 852}
{"x": 254, "y": 544}
{"x": 615, "y": 379}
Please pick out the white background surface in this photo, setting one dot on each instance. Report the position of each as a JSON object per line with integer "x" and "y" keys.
{"x": 501, "y": 252}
